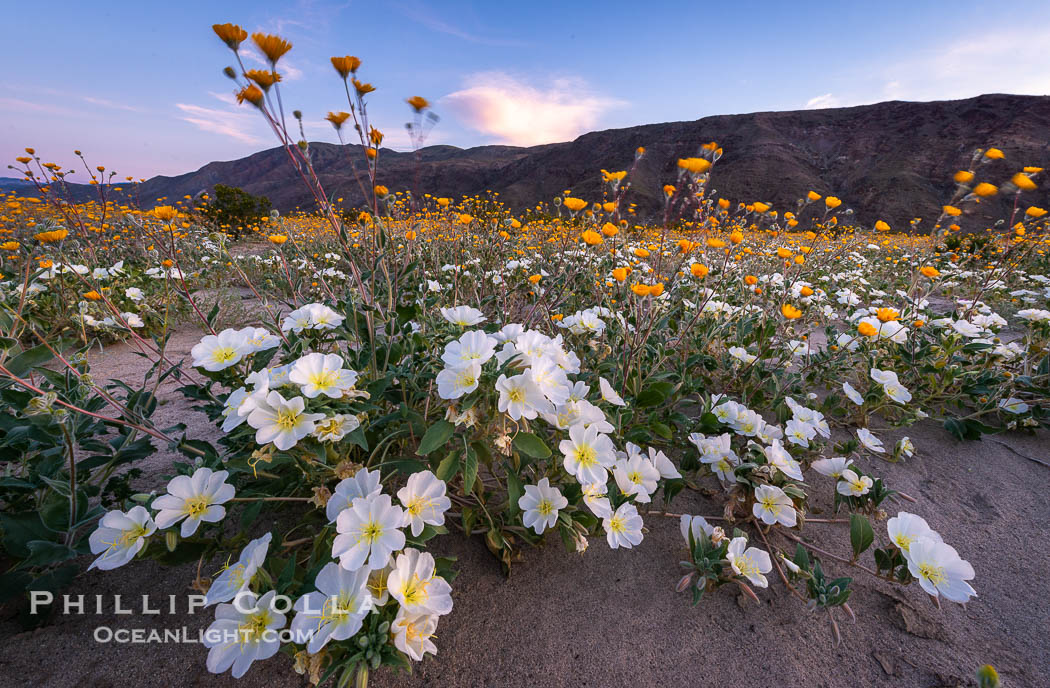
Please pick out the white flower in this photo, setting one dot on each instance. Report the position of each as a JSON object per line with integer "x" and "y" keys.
{"x": 260, "y": 339}
{"x": 940, "y": 570}
{"x": 471, "y": 346}
{"x": 120, "y": 536}
{"x": 852, "y": 394}
{"x": 1013, "y": 405}
{"x": 595, "y": 499}
{"x": 519, "y": 397}
{"x": 335, "y": 428}
{"x": 239, "y": 638}
{"x": 695, "y": 525}
{"x": 541, "y": 504}
{"x": 464, "y": 316}
{"x": 282, "y": 421}
{"x": 135, "y": 294}
{"x": 853, "y": 485}
{"x": 455, "y": 382}
{"x": 741, "y": 354}
{"x": 905, "y": 446}
{"x": 800, "y": 432}
{"x": 906, "y": 528}
{"x": 237, "y": 577}
{"x": 218, "y": 352}
{"x": 132, "y": 320}
{"x": 317, "y": 374}
{"x": 609, "y": 394}
{"x": 588, "y": 454}
{"x": 750, "y": 563}
{"x": 413, "y": 633}
{"x": 1034, "y": 315}
{"x": 424, "y": 500}
{"x": 195, "y": 499}
{"x": 624, "y": 527}
{"x": 369, "y": 531}
{"x": 312, "y": 316}
{"x": 663, "y": 464}
{"x": 415, "y": 587}
{"x": 832, "y": 467}
{"x": 870, "y": 441}
{"x": 551, "y": 380}
{"x": 891, "y": 385}
{"x": 636, "y": 475}
{"x": 967, "y": 329}
{"x": 336, "y": 610}
{"x": 363, "y": 483}
{"x": 772, "y": 505}
{"x": 779, "y": 458}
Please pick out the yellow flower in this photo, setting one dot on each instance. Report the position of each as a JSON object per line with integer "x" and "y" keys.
{"x": 592, "y": 238}
{"x": 381, "y": 191}
{"x": 1034, "y": 211}
{"x": 790, "y": 312}
{"x": 699, "y": 270}
{"x": 252, "y": 94}
{"x": 418, "y": 103}
{"x": 952, "y": 210}
{"x": 669, "y": 190}
{"x": 410, "y": 235}
{"x": 273, "y": 47}
{"x": 444, "y": 202}
{"x": 346, "y": 65}
{"x": 723, "y": 203}
{"x": 609, "y": 206}
{"x": 656, "y": 289}
{"x": 736, "y": 237}
{"x": 716, "y": 243}
{"x": 641, "y": 252}
{"x": 575, "y": 204}
{"x": 92, "y": 295}
{"x": 640, "y": 289}
{"x": 963, "y": 176}
{"x": 165, "y": 213}
{"x": 760, "y": 207}
{"x": 1023, "y": 182}
{"x": 694, "y": 165}
{"x": 10, "y": 245}
{"x": 882, "y": 226}
{"x": 867, "y": 329}
{"x": 620, "y": 274}
{"x": 611, "y": 177}
{"x": 535, "y": 279}
{"x": 465, "y": 219}
{"x": 784, "y": 253}
{"x": 813, "y": 196}
{"x": 230, "y": 34}
{"x": 887, "y": 314}
{"x": 750, "y": 280}
{"x": 994, "y": 154}
{"x": 832, "y": 202}
{"x": 263, "y": 77}
{"x": 610, "y": 230}
{"x": 984, "y": 189}
{"x": 362, "y": 88}
{"x": 806, "y": 291}
{"x": 685, "y": 246}
{"x": 277, "y": 239}
{"x": 930, "y": 271}
{"x": 337, "y": 118}
{"x": 51, "y": 236}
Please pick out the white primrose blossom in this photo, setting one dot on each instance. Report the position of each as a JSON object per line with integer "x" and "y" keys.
{"x": 193, "y": 500}
{"x": 120, "y": 536}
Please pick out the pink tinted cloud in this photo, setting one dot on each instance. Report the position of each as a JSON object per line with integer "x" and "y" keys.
{"x": 520, "y": 114}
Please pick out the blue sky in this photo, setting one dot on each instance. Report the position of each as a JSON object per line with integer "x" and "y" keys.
{"x": 138, "y": 86}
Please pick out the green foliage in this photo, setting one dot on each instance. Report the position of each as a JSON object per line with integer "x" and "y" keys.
{"x": 233, "y": 210}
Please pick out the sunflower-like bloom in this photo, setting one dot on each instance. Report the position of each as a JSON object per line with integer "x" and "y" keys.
{"x": 346, "y": 65}
{"x": 230, "y": 34}
{"x": 337, "y": 118}
{"x": 694, "y": 165}
{"x": 273, "y": 47}
{"x": 52, "y": 236}
{"x": 252, "y": 94}
{"x": 790, "y": 312}
{"x": 984, "y": 189}
{"x": 832, "y": 202}
{"x": 575, "y": 204}
{"x": 165, "y": 213}
{"x": 363, "y": 88}
{"x": 1023, "y": 182}
{"x": 994, "y": 154}
{"x": 263, "y": 77}
{"x": 418, "y": 103}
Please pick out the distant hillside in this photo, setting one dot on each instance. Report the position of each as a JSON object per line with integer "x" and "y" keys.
{"x": 891, "y": 161}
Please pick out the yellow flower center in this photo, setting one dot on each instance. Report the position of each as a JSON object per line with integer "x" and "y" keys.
{"x": 370, "y": 532}
{"x": 195, "y": 506}
{"x": 287, "y": 419}
{"x": 934, "y": 574}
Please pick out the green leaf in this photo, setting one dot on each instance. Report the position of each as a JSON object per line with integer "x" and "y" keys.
{"x": 436, "y": 436}
{"x": 515, "y": 489}
{"x": 531, "y": 445}
{"x": 470, "y": 470}
{"x": 44, "y": 552}
{"x": 448, "y": 467}
{"x": 860, "y": 534}
{"x": 27, "y": 360}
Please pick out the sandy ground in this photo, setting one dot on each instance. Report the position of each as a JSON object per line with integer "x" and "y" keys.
{"x": 610, "y": 618}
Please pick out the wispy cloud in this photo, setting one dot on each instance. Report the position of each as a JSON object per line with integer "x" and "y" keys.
{"x": 994, "y": 61}
{"x": 828, "y": 100}
{"x": 19, "y": 105}
{"x": 516, "y": 113}
{"x": 102, "y": 102}
{"x": 238, "y": 125}
{"x": 424, "y": 17}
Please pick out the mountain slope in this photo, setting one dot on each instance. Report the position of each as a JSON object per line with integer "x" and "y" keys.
{"x": 890, "y": 161}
